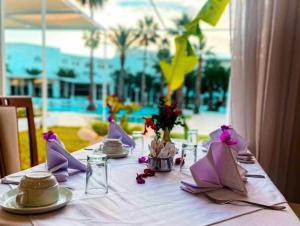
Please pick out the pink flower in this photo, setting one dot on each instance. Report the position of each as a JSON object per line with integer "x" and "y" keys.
{"x": 149, "y": 172}
{"x": 178, "y": 161}
{"x": 225, "y": 137}
{"x": 49, "y": 136}
{"x": 139, "y": 179}
{"x": 225, "y": 127}
{"x": 143, "y": 159}
{"x": 110, "y": 118}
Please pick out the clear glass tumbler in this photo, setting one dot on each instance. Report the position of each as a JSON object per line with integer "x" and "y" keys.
{"x": 138, "y": 137}
{"x": 189, "y": 155}
{"x": 96, "y": 174}
{"x": 192, "y": 136}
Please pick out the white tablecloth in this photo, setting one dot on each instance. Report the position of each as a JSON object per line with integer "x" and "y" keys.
{"x": 159, "y": 201}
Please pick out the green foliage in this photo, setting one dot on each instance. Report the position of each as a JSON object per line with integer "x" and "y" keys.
{"x": 123, "y": 38}
{"x": 180, "y": 24}
{"x": 147, "y": 31}
{"x": 101, "y": 128}
{"x": 33, "y": 71}
{"x": 130, "y": 128}
{"x": 135, "y": 127}
{"x": 93, "y": 3}
{"x": 215, "y": 74}
{"x": 66, "y": 73}
{"x": 91, "y": 39}
{"x": 182, "y": 136}
{"x": 21, "y": 112}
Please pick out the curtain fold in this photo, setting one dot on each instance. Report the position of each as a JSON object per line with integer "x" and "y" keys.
{"x": 265, "y": 84}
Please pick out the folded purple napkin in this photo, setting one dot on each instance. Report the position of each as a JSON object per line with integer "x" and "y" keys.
{"x": 116, "y": 132}
{"x": 217, "y": 169}
{"x": 238, "y": 143}
{"x": 58, "y": 159}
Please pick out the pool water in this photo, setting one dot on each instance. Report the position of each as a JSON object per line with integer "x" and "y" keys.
{"x": 79, "y": 105}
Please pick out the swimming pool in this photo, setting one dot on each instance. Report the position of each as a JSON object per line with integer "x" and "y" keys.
{"x": 79, "y": 105}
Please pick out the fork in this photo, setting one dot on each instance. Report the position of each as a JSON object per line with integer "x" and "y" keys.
{"x": 230, "y": 201}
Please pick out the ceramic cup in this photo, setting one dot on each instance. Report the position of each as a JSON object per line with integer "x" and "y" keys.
{"x": 37, "y": 189}
{"x": 111, "y": 146}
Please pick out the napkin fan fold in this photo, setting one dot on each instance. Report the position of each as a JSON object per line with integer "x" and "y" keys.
{"x": 59, "y": 160}
{"x": 116, "y": 132}
{"x": 219, "y": 169}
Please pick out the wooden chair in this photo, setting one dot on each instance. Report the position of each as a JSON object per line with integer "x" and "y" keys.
{"x": 9, "y": 141}
{"x": 24, "y": 102}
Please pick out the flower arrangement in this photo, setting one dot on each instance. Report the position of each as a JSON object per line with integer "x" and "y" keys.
{"x": 168, "y": 116}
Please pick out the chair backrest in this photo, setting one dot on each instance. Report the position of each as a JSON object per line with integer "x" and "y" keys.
{"x": 9, "y": 144}
{"x": 25, "y": 102}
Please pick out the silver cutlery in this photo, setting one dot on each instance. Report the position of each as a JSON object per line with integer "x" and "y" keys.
{"x": 255, "y": 176}
{"x": 7, "y": 181}
{"x": 230, "y": 201}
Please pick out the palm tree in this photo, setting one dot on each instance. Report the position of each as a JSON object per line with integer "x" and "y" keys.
{"x": 147, "y": 35}
{"x": 92, "y": 41}
{"x": 123, "y": 39}
{"x": 201, "y": 51}
{"x": 189, "y": 84}
{"x": 180, "y": 24}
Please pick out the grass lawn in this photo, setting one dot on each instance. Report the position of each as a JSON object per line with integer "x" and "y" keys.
{"x": 67, "y": 134}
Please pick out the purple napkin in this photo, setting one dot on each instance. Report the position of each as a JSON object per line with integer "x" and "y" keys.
{"x": 237, "y": 142}
{"x": 116, "y": 132}
{"x": 218, "y": 168}
{"x": 58, "y": 159}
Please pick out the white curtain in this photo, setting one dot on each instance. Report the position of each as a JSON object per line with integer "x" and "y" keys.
{"x": 265, "y": 85}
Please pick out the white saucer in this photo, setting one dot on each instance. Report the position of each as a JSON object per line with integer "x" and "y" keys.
{"x": 8, "y": 202}
{"x": 122, "y": 154}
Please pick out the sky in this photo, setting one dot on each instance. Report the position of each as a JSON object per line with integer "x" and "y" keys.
{"x": 127, "y": 13}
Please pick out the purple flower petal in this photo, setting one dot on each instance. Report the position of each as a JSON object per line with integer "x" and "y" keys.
{"x": 110, "y": 118}
{"x": 49, "y": 136}
{"x": 225, "y": 127}
{"x": 143, "y": 159}
{"x": 139, "y": 179}
{"x": 225, "y": 137}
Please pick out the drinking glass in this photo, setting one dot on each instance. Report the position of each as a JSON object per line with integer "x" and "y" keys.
{"x": 193, "y": 136}
{"x": 138, "y": 137}
{"x": 96, "y": 174}
{"x": 188, "y": 155}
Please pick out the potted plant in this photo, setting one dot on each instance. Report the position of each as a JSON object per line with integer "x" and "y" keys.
{"x": 162, "y": 150}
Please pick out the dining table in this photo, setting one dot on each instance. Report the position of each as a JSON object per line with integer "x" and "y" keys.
{"x": 159, "y": 201}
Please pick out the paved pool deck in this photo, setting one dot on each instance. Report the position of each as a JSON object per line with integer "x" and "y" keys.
{"x": 204, "y": 122}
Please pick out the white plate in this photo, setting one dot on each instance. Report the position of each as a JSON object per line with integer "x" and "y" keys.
{"x": 8, "y": 202}
{"x": 123, "y": 154}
